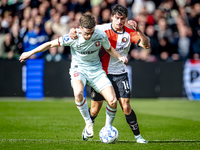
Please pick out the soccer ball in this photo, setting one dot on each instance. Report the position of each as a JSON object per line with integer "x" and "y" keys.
{"x": 108, "y": 134}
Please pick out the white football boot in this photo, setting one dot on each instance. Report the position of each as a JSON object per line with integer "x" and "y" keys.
{"x": 88, "y": 132}
{"x": 139, "y": 139}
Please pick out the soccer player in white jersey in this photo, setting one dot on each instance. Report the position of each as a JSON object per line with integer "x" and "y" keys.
{"x": 120, "y": 38}
{"x": 86, "y": 68}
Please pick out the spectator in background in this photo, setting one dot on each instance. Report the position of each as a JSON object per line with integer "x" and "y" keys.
{"x": 48, "y": 29}
{"x": 196, "y": 45}
{"x": 35, "y": 37}
{"x": 157, "y": 15}
{"x": 6, "y": 22}
{"x": 76, "y": 19}
{"x": 95, "y": 2}
{"x": 53, "y": 3}
{"x": 164, "y": 31}
{"x": 30, "y": 25}
{"x": 66, "y": 3}
{"x": 164, "y": 50}
{"x": 183, "y": 43}
{"x": 145, "y": 12}
{"x": 183, "y": 14}
{"x": 151, "y": 33}
{"x": 9, "y": 49}
{"x": 169, "y": 10}
{"x": 139, "y": 5}
{"x": 43, "y": 11}
{"x": 34, "y": 12}
{"x": 71, "y": 15}
{"x": 62, "y": 9}
{"x": 82, "y": 6}
{"x": 5, "y": 7}
{"x": 27, "y": 13}
{"x": 108, "y": 4}
{"x": 57, "y": 27}
{"x": 16, "y": 39}
{"x": 22, "y": 7}
{"x": 105, "y": 16}
{"x": 23, "y": 29}
{"x": 96, "y": 10}
{"x": 73, "y": 4}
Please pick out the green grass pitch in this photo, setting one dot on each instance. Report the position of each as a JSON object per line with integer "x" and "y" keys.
{"x": 57, "y": 124}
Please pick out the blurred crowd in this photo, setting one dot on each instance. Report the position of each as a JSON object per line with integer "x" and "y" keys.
{"x": 173, "y": 26}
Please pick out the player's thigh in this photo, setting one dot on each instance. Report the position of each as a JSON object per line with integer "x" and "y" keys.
{"x": 109, "y": 94}
{"x": 77, "y": 86}
{"x": 78, "y": 81}
{"x": 100, "y": 82}
{"x": 121, "y": 85}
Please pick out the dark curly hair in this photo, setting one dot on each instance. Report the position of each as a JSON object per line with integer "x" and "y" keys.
{"x": 119, "y": 9}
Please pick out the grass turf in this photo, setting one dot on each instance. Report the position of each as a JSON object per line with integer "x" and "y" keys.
{"x": 57, "y": 124}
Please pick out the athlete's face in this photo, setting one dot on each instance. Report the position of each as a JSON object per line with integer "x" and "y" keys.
{"x": 118, "y": 22}
{"x": 87, "y": 33}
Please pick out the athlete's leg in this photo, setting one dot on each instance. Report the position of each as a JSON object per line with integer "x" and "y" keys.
{"x": 95, "y": 108}
{"x": 81, "y": 104}
{"x": 130, "y": 115}
{"x": 109, "y": 95}
{"x": 131, "y": 119}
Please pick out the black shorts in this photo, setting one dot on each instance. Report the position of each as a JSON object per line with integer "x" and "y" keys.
{"x": 120, "y": 84}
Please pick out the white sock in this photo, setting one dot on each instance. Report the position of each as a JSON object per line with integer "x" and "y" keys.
{"x": 83, "y": 108}
{"x": 110, "y": 115}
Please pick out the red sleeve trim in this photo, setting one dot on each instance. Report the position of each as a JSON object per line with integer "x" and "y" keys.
{"x": 58, "y": 42}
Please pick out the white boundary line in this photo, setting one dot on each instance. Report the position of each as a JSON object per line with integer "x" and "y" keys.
{"x": 69, "y": 140}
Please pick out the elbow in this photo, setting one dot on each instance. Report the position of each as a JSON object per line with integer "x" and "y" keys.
{"x": 108, "y": 50}
{"x": 49, "y": 45}
{"x": 148, "y": 46}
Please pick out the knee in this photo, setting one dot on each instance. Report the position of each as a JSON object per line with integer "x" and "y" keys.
{"x": 113, "y": 103}
{"x": 126, "y": 109}
{"x": 78, "y": 96}
{"x": 94, "y": 112}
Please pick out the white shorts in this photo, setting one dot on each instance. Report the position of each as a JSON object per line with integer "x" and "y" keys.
{"x": 97, "y": 79}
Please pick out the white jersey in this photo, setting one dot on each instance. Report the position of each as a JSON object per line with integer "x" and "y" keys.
{"x": 85, "y": 53}
{"x": 121, "y": 42}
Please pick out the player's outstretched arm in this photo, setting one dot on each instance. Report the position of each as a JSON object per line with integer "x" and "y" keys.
{"x": 115, "y": 54}
{"x": 144, "y": 40}
{"x": 25, "y": 55}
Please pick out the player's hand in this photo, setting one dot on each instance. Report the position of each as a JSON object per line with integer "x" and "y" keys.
{"x": 134, "y": 25}
{"x": 72, "y": 34}
{"x": 24, "y": 56}
{"x": 124, "y": 60}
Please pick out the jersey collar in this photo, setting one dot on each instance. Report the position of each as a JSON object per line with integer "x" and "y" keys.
{"x": 116, "y": 31}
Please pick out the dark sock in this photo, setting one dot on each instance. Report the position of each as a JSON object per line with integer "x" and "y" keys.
{"x": 91, "y": 116}
{"x": 132, "y": 121}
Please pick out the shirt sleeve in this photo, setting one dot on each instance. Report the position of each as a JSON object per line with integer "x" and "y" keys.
{"x": 65, "y": 40}
{"x": 99, "y": 27}
{"x": 106, "y": 43}
{"x": 135, "y": 38}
